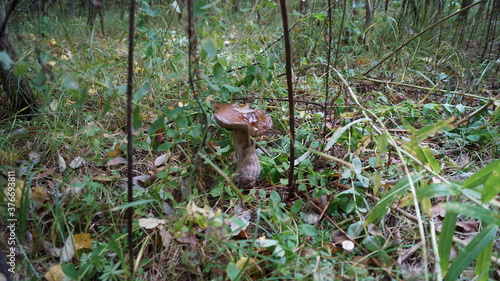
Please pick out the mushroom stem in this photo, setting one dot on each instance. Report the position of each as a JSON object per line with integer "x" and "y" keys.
{"x": 248, "y": 170}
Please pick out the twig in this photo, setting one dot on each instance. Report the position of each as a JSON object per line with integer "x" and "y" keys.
{"x": 476, "y": 112}
{"x": 426, "y": 88}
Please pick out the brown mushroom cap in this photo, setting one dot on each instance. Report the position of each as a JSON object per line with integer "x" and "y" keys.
{"x": 242, "y": 117}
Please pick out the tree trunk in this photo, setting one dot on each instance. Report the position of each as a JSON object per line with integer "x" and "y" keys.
{"x": 16, "y": 88}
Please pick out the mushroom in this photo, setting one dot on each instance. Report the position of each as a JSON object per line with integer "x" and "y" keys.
{"x": 244, "y": 121}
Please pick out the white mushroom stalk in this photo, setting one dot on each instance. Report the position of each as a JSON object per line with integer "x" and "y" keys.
{"x": 244, "y": 122}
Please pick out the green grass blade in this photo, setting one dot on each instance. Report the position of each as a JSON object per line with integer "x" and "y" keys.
{"x": 483, "y": 262}
{"x": 340, "y": 131}
{"x": 446, "y": 239}
{"x": 477, "y": 212}
{"x": 470, "y": 252}
{"x": 396, "y": 191}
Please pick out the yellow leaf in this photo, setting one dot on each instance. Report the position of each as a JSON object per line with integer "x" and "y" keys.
{"x": 82, "y": 241}
{"x": 55, "y": 273}
{"x": 116, "y": 152}
{"x": 39, "y": 194}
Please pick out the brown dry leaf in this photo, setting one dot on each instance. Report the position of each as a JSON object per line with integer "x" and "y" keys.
{"x": 467, "y": 226}
{"x": 116, "y": 152}
{"x": 39, "y": 194}
{"x": 166, "y": 237}
{"x": 55, "y": 273}
{"x": 187, "y": 238}
{"x": 361, "y": 61}
{"x": 438, "y": 210}
{"x": 116, "y": 161}
{"x": 373, "y": 229}
{"x": 82, "y": 241}
{"x": 47, "y": 173}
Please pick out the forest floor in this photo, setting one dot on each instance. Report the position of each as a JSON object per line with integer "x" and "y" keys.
{"x": 396, "y": 168}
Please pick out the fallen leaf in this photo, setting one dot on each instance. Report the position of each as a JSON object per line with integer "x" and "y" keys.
{"x": 61, "y": 162}
{"x": 116, "y": 161}
{"x": 77, "y": 162}
{"x": 39, "y": 194}
{"x": 82, "y": 241}
{"x": 160, "y": 160}
{"x": 68, "y": 250}
{"x": 55, "y": 273}
{"x": 150, "y": 223}
{"x": 467, "y": 226}
{"x": 47, "y": 173}
{"x": 116, "y": 152}
{"x": 166, "y": 237}
{"x": 187, "y": 238}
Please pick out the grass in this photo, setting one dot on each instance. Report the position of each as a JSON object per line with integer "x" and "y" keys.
{"x": 71, "y": 213}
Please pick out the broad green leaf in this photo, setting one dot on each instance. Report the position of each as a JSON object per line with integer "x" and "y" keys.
{"x": 143, "y": 90}
{"x": 39, "y": 78}
{"x": 472, "y": 211}
{"x": 341, "y": 131}
{"x": 209, "y": 44}
{"x": 438, "y": 189}
{"x": 438, "y": 127}
{"x": 470, "y": 252}
{"x": 157, "y": 124}
{"x": 5, "y": 60}
{"x": 232, "y": 270}
{"x": 231, "y": 89}
{"x": 209, "y": 82}
{"x": 489, "y": 176}
{"x": 483, "y": 262}
{"x": 147, "y": 9}
{"x": 70, "y": 81}
{"x": 136, "y": 118}
{"x": 430, "y": 159}
{"x": 182, "y": 121}
{"x": 446, "y": 239}
{"x": 390, "y": 197}
{"x": 308, "y": 230}
{"x": 275, "y": 196}
{"x": 382, "y": 143}
{"x": 20, "y": 67}
{"x": 218, "y": 72}
{"x": 253, "y": 70}
{"x": 296, "y": 207}
{"x": 69, "y": 270}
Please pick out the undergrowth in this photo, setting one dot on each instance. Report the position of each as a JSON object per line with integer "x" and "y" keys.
{"x": 385, "y": 162}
